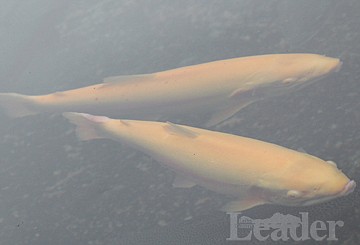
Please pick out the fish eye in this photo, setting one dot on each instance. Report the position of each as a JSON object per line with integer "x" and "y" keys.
{"x": 293, "y": 194}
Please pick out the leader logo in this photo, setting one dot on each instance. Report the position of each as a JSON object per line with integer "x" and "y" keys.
{"x": 282, "y": 227}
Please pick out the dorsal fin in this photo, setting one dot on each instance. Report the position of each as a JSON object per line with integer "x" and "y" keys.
{"x": 124, "y": 122}
{"x": 179, "y": 130}
{"x": 126, "y": 78}
{"x": 332, "y": 163}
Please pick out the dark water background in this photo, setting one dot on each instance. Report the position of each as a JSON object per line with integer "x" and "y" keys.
{"x": 57, "y": 190}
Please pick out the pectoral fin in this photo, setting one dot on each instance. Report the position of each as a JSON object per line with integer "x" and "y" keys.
{"x": 242, "y": 204}
{"x": 238, "y": 100}
{"x": 240, "y": 93}
{"x": 227, "y": 112}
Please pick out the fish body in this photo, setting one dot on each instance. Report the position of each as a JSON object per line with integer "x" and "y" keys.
{"x": 253, "y": 171}
{"x": 220, "y": 88}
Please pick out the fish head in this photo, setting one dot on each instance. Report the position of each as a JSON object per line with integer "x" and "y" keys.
{"x": 300, "y": 68}
{"x": 319, "y": 182}
{"x": 291, "y": 72}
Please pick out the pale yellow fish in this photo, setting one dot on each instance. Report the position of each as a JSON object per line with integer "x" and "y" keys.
{"x": 253, "y": 171}
{"x": 220, "y": 88}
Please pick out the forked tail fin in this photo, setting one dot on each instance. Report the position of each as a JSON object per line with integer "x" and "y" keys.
{"x": 17, "y": 105}
{"x": 86, "y": 124}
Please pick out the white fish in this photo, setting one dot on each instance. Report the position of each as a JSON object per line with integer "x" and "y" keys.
{"x": 253, "y": 171}
{"x": 220, "y": 88}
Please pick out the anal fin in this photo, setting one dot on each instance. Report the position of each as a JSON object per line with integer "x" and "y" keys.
{"x": 242, "y": 204}
{"x": 183, "y": 182}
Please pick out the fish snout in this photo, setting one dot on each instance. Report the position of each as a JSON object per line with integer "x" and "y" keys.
{"x": 348, "y": 188}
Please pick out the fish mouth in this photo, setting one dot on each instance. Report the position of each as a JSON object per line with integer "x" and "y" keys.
{"x": 348, "y": 188}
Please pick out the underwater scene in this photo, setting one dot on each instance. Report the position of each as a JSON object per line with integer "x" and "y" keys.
{"x": 179, "y": 122}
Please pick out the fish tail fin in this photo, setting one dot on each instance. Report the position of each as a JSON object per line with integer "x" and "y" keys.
{"x": 86, "y": 125}
{"x": 17, "y": 105}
